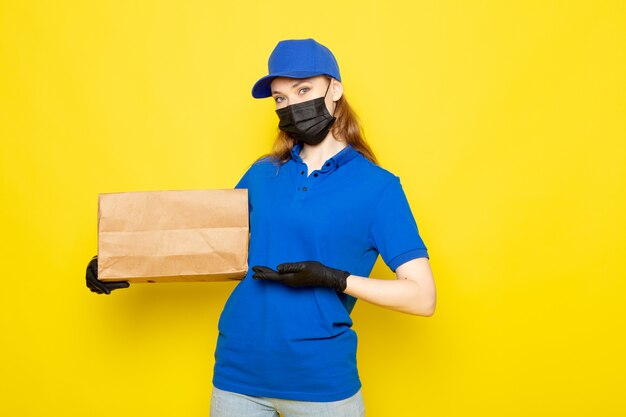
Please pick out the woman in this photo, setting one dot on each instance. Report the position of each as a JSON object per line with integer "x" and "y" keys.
{"x": 321, "y": 211}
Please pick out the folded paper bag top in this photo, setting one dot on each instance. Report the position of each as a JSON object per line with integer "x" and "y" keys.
{"x": 173, "y": 236}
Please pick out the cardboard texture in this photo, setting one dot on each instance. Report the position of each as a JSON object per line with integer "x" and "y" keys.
{"x": 173, "y": 236}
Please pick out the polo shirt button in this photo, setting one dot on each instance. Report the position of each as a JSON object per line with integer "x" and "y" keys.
{"x": 303, "y": 188}
{"x": 328, "y": 164}
{"x": 302, "y": 172}
{"x": 315, "y": 175}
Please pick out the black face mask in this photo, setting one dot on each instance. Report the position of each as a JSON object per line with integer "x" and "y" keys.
{"x": 308, "y": 121}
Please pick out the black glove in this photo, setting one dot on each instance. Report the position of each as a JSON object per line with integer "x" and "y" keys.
{"x": 301, "y": 274}
{"x": 97, "y": 286}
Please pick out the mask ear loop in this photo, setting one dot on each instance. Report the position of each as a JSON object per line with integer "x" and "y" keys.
{"x": 335, "y": 108}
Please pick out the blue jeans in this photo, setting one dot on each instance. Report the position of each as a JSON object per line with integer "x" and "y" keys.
{"x": 232, "y": 404}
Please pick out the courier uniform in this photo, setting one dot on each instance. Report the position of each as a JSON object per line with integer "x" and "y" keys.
{"x": 297, "y": 343}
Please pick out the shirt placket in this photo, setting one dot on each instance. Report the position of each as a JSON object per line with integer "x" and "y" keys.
{"x": 305, "y": 183}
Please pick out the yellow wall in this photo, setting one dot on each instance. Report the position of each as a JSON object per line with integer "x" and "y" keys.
{"x": 504, "y": 120}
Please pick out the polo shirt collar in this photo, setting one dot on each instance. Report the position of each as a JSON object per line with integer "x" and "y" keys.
{"x": 340, "y": 158}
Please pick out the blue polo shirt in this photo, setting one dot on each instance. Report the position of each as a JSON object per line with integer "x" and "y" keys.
{"x": 297, "y": 343}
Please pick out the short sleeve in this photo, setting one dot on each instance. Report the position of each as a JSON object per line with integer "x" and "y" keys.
{"x": 393, "y": 230}
{"x": 243, "y": 182}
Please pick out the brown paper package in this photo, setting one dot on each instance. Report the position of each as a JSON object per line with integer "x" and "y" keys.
{"x": 173, "y": 236}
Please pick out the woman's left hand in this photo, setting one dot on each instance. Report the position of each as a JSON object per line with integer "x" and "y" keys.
{"x": 301, "y": 274}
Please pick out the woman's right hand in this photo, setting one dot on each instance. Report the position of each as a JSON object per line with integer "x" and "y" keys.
{"x": 100, "y": 287}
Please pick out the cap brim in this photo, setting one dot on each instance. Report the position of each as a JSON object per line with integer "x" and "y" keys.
{"x": 262, "y": 88}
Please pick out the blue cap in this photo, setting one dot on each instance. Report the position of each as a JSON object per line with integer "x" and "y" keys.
{"x": 296, "y": 58}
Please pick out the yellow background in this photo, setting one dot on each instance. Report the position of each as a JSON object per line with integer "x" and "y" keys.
{"x": 504, "y": 120}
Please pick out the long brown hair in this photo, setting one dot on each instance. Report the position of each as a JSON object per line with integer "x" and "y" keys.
{"x": 347, "y": 126}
